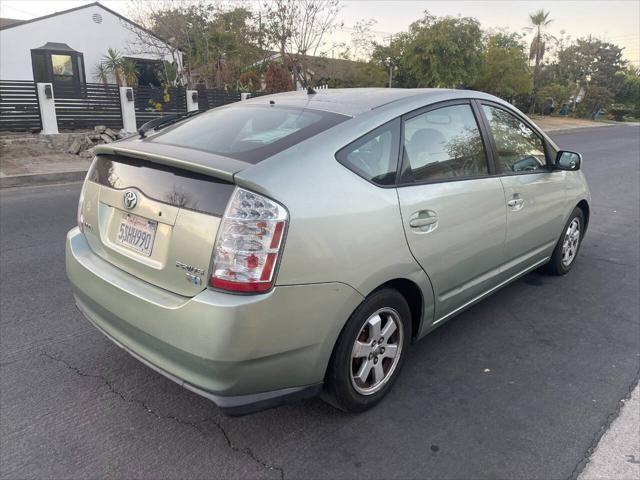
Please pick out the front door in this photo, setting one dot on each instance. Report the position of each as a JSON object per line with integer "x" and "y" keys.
{"x": 453, "y": 210}
{"x": 534, "y": 193}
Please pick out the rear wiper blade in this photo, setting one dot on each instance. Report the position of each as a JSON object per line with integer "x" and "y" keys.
{"x": 158, "y": 123}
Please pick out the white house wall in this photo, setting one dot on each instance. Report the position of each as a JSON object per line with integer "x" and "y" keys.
{"x": 78, "y": 30}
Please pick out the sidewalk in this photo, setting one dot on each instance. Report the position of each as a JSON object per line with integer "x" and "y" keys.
{"x": 556, "y": 124}
{"x": 33, "y": 159}
{"x": 617, "y": 455}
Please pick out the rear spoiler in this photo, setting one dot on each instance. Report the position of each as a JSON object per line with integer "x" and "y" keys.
{"x": 185, "y": 158}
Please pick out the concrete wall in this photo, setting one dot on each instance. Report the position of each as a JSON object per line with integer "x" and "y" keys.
{"x": 78, "y": 30}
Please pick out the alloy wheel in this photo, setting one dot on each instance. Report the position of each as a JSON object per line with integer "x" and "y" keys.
{"x": 571, "y": 242}
{"x": 376, "y": 351}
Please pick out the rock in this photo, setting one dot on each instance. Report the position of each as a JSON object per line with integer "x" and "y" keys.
{"x": 94, "y": 137}
{"x": 111, "y": 133}
{"x": 100, "y": 128}
{"x": 87, "y": 153}
{"x": 79, "y": 145}
{"x": 106, "y": 138}
{"x": 75, "y": 147}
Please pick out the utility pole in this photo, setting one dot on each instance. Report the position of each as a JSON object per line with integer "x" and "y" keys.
{"x": 389, "y": 61}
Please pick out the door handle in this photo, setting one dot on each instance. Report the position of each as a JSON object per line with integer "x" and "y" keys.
{"x": 424, "y": 221}
{"x": 516, "y": 202}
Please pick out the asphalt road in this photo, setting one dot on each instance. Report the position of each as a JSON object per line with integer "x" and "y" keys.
{"x": 560, "y": 354}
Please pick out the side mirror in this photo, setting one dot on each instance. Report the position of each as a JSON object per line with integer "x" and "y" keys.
{"x": 567, "y": 160}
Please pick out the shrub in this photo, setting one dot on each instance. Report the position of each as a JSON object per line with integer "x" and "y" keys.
{"x": 278, "y": 79}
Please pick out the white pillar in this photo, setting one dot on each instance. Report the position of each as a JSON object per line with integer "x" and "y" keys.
{"x": 47, "y": 109}
{"x": 244, "y": 96}
{"x": 128, "y": 108}
{"x": 192, "y": 105}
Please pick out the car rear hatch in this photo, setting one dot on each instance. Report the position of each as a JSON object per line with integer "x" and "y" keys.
{"x": 155, "y": 220}
{"x": 152, "y": 205}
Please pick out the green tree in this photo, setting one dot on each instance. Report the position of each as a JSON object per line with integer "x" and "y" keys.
{"x": 593, "y": 61}
{"x": 629, "y": 91}
{"x": 444, "y": 52}
{"x": 539, "y": 21}
{"x": 504, "y": 71}
{"x": 435, "y": 52}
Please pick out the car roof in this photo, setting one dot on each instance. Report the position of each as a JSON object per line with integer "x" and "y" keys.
{"x": 346, "y": 101}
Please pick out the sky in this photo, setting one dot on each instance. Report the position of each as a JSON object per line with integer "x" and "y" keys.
{"x": 617, "y": 21}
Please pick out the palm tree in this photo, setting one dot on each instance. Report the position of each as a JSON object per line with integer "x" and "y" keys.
{"x": 129, "y": 72}
{"x": 539, "y": 21}
{"x": 101, "y": 73}
{"x": 112, "y": 62}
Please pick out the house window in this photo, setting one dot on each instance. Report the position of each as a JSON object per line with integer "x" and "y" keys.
{"x": 147, "y": 71}
{"x": 62, "y": 65}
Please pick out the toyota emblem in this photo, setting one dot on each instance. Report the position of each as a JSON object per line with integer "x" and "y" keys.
{"x": 130, "y": 199}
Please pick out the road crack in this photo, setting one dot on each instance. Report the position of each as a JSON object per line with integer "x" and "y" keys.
{"x": 197, "y": 425}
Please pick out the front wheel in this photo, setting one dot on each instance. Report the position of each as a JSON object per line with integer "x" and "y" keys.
{"x": 369, "y": 352}
{"x": 566, "y": 250}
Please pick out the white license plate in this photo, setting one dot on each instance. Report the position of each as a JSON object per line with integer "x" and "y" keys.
{"x": 137, "y": 233}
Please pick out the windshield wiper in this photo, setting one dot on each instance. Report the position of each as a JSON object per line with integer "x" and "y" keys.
{"x": 161, "y": 122}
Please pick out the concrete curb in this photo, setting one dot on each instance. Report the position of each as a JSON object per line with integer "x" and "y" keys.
{"x": 41, "y": 179}
{"x": 579, "y": 129}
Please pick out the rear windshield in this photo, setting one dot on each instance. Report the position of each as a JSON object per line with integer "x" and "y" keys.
{"x": 163, "y": 183}
{"x": 249, "y": 133}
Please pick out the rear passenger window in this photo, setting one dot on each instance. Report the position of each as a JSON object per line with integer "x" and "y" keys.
{"x": 519, "y": 148}
{"x": 443, "y": 144}
{"x": 375, "y": 156}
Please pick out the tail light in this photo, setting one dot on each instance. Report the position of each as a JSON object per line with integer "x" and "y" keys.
{"x": 250, "y": 239}
{"x": 79, "y": 216}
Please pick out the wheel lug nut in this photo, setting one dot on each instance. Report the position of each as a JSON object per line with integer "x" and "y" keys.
{"x": 381, "y": 339}
{"x": 382, "y": 350}
{"x": 375, "y": 360}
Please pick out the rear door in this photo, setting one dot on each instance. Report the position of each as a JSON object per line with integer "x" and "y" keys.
{"x": 534, "y": 193}
{"x": 452, "y": 206}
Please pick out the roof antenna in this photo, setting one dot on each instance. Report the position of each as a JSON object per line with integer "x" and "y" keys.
{"x": 310, "y": 91}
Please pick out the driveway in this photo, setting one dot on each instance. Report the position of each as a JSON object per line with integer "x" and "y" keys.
{"x": 519, "y": 386}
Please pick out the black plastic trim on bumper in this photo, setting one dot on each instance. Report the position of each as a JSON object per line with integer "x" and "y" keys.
{"x": 236, "y": 405}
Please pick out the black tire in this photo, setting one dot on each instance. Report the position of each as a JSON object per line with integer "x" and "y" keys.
{"x": 556, "y": 266}
{"x": 339, "y": 389}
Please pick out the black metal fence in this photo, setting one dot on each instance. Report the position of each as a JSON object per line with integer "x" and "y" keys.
{"x": 19, "y": 110}
{"x": 154, "y": 102}
{"x": 88, "y": 105}
{"x": 212, "y": 98}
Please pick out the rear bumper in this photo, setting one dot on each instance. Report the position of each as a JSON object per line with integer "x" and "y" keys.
{"x": 245, "y": 353}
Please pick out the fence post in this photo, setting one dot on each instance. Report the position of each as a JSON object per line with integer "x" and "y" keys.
{"x": 192, "y": 100}
{"x": 128, "y": 107}
{"x": 244, "y": 95}
{"x": 47, "y": 105}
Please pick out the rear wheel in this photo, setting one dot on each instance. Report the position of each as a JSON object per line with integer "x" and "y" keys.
{"x": 566, "y": 250}
{"x": 369, "y": 353}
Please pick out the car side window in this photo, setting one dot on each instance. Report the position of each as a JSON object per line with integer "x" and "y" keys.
{"x": 519, "y": 148}
{"x": 442, "y": 144}
{"x": 375, "y": 155}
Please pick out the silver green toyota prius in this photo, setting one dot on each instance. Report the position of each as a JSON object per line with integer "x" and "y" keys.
{"x": 297, "y": 244}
